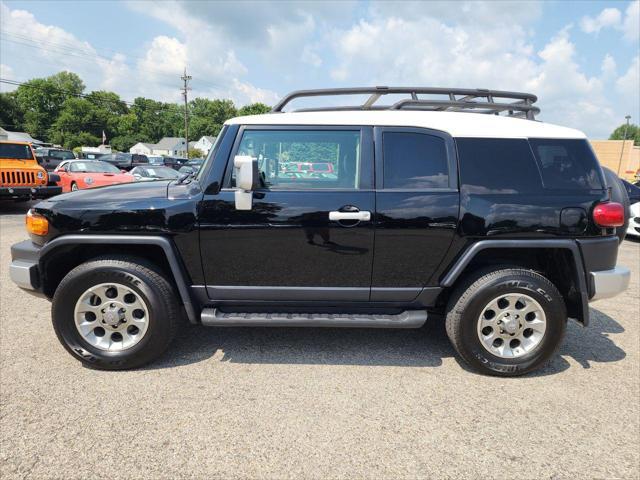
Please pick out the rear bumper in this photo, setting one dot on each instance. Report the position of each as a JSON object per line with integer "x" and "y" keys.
{"x": 29, "y": 192}
{"x": 609, "y": 283}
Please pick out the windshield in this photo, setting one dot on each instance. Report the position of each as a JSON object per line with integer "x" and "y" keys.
{"x": 156, "y": 160}
{"x": 92, "y": 167}
{"x": 15, "y": 151}
{"x": 61, "y": 154}
{"x": 162, "y": 172}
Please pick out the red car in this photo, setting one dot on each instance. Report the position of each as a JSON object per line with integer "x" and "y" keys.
{"x": 81, "y": 174}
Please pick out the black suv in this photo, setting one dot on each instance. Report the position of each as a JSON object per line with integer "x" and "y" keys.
{"x": 50, "y": 158}
{"x": 125, "y": 161}
{"x": 504, "y": 225}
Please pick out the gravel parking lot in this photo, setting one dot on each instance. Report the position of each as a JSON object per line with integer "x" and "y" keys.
{"x": 316, "y": 403}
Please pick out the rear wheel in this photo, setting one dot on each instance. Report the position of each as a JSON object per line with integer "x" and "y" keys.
{"x": 115, "y": 313}
{"x": 506, "y": 322}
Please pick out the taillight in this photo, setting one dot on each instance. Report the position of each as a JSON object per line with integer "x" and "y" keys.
{"x": 610, "y": 214}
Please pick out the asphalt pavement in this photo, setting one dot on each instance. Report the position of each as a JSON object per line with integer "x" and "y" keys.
{"x": 316, "y": 403}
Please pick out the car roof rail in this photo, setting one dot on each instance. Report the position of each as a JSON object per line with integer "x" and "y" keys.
{"x": 479, "y": 100}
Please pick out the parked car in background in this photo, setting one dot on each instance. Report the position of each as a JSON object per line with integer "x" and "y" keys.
{"x": 81, "y": 174}
{"x": 50, "y": 158}
{"x": 125, "y": 161}
{"x": 91, "y": 155}
{"x": 633, "y": 191}
{"x": 21, "y": 177}
{"x": 171, "y": 162}
{"x": 192, "y": 166}
{"x": 154, "y": 173}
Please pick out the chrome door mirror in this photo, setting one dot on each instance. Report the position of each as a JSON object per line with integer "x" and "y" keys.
{"x": 246, "y": 173}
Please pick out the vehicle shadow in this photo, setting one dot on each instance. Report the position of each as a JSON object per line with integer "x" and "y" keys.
{"x": 16, "y": 208}
{"x": 424, "y": 347}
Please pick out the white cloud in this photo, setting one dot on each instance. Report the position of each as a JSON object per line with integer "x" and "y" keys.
{"x": 612, "y": 18}
{"x": 609, "y": 17}
{"x": 631, "y": 24}
{"x": 629, "y": 83}
{"x": 427, "y": 51}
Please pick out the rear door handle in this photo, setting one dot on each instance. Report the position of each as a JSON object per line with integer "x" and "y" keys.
{"x": 363, "y": 216}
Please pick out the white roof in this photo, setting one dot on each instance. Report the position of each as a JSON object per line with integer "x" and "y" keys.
{"x": 457, "y": 124}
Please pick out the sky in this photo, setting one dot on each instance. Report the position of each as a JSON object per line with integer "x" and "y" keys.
{"x": 581, "y": 58}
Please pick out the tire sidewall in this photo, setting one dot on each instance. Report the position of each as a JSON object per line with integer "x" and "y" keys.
{"x": 63, "y": 316}
{"x": 554, "y": 310}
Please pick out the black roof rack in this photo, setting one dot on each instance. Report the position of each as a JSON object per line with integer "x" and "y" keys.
{"x": 514, "y": 104}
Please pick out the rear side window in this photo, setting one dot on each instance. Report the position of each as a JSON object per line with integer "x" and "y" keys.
{"x": 566, "y": 164}
{"x": 497, "y": 165}
{"x": 414, "y": 161}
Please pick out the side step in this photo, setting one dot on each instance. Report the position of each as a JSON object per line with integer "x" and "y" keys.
{"x": 212, "y": 317}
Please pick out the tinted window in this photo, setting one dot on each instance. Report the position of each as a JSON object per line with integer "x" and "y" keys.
{"x": 15, "y": 151}
{"x": 414, "y": 160}
{"x": 633, "y": 191}
{"x": 566, "y": 164}
{"x": 491, "y": 165}
{"x": 286, "y": 158}
{"x": 61, "y": 155}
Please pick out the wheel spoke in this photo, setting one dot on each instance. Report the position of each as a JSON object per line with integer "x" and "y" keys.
{"x": 110, "y": 310}
{"x": 506, "y": 309}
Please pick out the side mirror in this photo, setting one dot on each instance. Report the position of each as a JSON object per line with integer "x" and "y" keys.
{"x": 246, "y": 170}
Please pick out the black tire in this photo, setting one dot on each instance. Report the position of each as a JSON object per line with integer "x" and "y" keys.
{"x": 618, "y": 194}
{"x": 74, "y": 184}
{"x": 154, "y": 289}
{"x": 470, "y": 298}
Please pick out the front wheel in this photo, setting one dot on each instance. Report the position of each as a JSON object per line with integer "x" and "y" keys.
{"x": 115, "y": 313}
{"x": 506, "y": 322}
{"x": 74, "y": 186}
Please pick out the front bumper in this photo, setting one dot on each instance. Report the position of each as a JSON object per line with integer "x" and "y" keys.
{"x": 23, "y": 270}
{"x": 609, "y": 283}
{"x": 29, "y": 192}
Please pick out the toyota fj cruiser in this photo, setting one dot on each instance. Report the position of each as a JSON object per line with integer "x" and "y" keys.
{"x": 452, "y": 201}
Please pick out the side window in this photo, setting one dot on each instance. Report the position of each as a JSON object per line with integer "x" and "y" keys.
{"x": 304, "y": 159}
{"x": 566, "y": 164}
{"x": 414, "y": 161}
{"x": 497, "y": 165}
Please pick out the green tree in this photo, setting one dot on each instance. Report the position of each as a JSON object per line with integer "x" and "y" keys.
{"x": 633, "y": 133}
{"x": 11, "y": 116}
{"x": 254, "y": 109}
{"x": 196, "y": 153}
{"x": 155, "y": 120}
{"x": 208, "y": 116}
{"x": 41, "y": 100}
{"x": 77, "y": 116}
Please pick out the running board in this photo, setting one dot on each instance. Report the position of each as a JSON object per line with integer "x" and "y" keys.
{"x": 212, "y": 317}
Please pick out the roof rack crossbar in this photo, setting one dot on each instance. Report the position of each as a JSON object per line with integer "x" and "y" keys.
{"x": 459, "y": 99}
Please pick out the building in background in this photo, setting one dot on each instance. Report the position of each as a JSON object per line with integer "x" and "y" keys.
{"x": 19, "y": 137}
{"x": 204, "y": 144}
{"x": 142, "y": 148}
{"x": 620, "y": 156}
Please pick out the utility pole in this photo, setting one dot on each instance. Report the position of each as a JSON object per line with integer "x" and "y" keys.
{"x": 185, "y": 78}
{"x": 624, "y": 139}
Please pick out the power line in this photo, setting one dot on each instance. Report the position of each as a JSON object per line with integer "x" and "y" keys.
{"x": 84, "y": 55}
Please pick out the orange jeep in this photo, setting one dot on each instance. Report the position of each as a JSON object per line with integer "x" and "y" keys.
{"x": 21, "y": 177}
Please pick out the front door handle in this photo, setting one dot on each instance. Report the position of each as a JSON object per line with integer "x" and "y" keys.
{"x": 363, "y": 216}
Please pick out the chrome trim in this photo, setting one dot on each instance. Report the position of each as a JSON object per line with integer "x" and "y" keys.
{"x": 609, "y": 283}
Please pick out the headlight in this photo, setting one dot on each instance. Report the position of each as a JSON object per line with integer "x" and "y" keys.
{"x": 37, "y": 224}
{"x": 88, "y": 180}
{"x": 40, "y": 175}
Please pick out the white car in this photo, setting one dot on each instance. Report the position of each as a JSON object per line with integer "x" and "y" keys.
{"x": 633, "y": 191}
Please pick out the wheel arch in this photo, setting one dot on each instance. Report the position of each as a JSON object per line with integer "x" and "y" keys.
{"x": 62, "y": 254}
{"x": 560, "y": 260}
